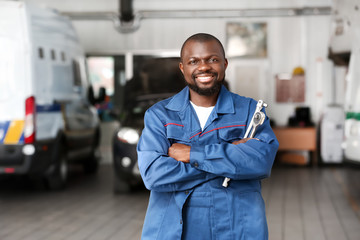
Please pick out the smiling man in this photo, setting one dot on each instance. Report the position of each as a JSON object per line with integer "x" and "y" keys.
{"x": 203, "y": 65}
{"x": 193, "y": 140}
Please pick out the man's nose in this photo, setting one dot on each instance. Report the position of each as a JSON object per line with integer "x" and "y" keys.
{"x": 203, "y": 65}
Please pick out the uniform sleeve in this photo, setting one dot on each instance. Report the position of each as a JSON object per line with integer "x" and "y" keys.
{"x": 159, "y": 171}
{"x": 250, "y": 160}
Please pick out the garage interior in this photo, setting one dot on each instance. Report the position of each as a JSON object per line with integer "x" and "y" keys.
{"x": 303, "y": 72}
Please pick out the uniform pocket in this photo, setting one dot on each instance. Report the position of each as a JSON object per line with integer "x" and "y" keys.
{"x": 176, "y": 134}
{"x": 233, "y": 131}
{"x": 198, "y": 217}
{"x": 250, "y": 216}
{"x": 199, "y": 199}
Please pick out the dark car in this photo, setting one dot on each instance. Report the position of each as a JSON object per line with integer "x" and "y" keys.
{"x": 158, "y": 79}
{"x": 127, "y": 175}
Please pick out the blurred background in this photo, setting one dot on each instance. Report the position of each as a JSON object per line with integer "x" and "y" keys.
{"x": 77, "y": 76}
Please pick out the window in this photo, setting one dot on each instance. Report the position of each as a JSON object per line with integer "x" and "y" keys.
{"x": 101, "y": 73}
{"x": 153, "y": 74}
{"x": 53, "y": 55}
{"x": 76, "y": 73}
{"x": 41, "y": 53}
{"x": 63, "y": 57}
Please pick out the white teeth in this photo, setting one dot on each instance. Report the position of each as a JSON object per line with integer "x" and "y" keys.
{"x": 203, "y": 78}
{"x": 207, "y": 78}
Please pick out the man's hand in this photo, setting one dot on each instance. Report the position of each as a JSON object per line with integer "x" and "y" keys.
{"x": 180, "y": 152}
{"x": 244, "y": 140}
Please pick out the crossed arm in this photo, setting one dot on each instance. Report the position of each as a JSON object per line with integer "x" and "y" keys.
{"x": 181, "y": 152}
{"x": 165, "y": 167}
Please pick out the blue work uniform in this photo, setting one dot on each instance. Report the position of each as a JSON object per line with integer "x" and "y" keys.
{"x": 187, "y": 200}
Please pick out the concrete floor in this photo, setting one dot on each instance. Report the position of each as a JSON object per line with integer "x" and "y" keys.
{"x": 302, "y": 203}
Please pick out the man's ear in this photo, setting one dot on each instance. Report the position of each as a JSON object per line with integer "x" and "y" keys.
{"x": 226, "y": 63}
{"x": 181, "y": 66}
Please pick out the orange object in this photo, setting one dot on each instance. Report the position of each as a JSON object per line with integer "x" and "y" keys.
{"x": 293, "y": 140}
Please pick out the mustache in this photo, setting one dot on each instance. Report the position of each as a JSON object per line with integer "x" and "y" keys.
{"x": 204, "y": 72}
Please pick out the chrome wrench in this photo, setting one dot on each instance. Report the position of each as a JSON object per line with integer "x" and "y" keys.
{"x": 257, "y": 119}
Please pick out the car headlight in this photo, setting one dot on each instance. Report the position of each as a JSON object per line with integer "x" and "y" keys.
{"x": 126, "y": 162}
{"x": 128, "y": 135}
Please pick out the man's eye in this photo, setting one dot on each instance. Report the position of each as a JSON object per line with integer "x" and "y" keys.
{"x": 212, "y": 60}
{"x": 192, "y": 62}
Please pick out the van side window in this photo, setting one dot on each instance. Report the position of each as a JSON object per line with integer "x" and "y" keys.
{"x": 76, "y": 73}
{"x": 53, "y": 55}
{"x": 41, "y": 53}
{"x": 63, "y": 57}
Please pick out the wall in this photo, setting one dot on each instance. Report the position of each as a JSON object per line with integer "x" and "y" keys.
{"x": 292, "y": 41}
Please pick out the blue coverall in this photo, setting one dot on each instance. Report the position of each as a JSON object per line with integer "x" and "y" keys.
{"x": 187, "y": 200}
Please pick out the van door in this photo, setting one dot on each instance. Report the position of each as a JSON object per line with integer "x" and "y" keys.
{"x": 14, "y": 76}
{"x": 81, "y": 120}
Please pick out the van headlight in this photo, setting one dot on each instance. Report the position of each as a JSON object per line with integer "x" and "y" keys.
{"x": 128, "y": 135}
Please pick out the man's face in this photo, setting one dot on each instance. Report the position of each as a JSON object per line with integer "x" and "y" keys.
{"x": 203, "y": 66}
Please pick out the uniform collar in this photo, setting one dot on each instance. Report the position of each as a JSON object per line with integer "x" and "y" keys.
{"x": 225, "y": 102}
{"x": 223, "y": 105}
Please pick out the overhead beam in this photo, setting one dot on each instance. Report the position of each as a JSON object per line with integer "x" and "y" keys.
{"x": 126, "y": 21}
{"x": 237, "y": 13}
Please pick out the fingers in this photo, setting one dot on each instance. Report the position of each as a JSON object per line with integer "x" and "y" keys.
{"x": 180, "y": 152}
{"x": 244, "y": 140}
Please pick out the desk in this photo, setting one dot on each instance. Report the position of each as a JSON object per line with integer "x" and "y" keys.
{"x": 297, "y": 139}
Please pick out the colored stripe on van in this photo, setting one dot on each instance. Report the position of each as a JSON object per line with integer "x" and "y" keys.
{"x": 48, "y": 108}
{"x": 11, "y": 132}
{"x": 14, "y": 132}
{"x": 3, "y": 130}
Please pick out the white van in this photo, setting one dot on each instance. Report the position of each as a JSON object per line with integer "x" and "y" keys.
{"x": 47, "y": 118}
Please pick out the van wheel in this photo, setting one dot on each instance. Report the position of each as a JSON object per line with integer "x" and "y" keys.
{"x": 57, "y": 177}
{"x": 91, "y": 165}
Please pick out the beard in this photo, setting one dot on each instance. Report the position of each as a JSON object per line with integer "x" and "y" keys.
{"x": 209, "y": 91}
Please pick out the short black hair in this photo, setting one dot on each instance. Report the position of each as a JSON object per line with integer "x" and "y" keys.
{"x": 201, "y": 37}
